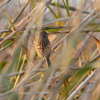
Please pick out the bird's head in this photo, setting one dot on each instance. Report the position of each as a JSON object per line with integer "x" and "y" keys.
{"x": 44, "y": 34}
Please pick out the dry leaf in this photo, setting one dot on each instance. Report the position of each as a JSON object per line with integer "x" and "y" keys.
{"x": 97, "y": 42}
{"x": 97, "y": 4}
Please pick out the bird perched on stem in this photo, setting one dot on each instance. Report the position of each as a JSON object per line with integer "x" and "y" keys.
{"x": 43, "y": 47}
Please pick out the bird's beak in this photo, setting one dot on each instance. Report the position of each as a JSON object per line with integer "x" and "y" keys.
{"x": 47, "y": 33}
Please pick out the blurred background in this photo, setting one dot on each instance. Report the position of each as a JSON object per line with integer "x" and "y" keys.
{"x": 73, "y": 27}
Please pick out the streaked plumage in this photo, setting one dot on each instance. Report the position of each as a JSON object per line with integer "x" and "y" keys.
{"x": 44, "y": 47}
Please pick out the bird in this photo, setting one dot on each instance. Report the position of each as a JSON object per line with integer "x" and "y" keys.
{"x": 43, "y": 47}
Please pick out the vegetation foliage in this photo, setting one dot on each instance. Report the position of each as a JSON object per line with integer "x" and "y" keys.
{"x": 75, "y": 53}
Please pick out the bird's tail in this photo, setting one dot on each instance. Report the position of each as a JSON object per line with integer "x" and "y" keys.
{"x": 49, "y": 62}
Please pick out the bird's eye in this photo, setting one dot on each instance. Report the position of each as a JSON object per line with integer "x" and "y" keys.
{"x": 44, "y": 33}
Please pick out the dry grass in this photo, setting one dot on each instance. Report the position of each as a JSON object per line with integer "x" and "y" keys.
{"x": 75, "y": 51}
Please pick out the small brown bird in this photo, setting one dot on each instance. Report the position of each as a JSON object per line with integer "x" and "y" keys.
{"x": 43, "y": 47}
